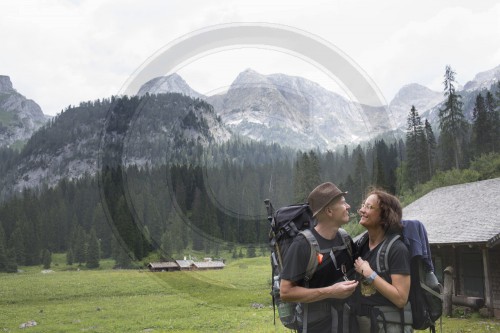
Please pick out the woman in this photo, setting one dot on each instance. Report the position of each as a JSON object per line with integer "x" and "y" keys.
{"x": 385, "y": 291}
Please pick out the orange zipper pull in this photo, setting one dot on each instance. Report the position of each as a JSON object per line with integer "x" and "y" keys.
{"x": 320, "y": 258}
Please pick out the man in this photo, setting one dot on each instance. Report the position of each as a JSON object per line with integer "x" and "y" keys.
{"x": 323, "y": 296}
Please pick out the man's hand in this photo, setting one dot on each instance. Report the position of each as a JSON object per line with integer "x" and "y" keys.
{"x": 342, "y": 290}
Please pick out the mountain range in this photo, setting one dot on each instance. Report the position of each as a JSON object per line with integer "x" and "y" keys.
{"x": 172, "y": 118}
{"x": 299, "y": 113}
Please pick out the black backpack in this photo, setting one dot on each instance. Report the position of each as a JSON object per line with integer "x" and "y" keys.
{"x": 287, "y": 223}
{"x": 425, "y": 294}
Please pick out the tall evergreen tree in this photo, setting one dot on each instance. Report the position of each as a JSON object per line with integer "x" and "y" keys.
{"x": 416, "y": 148}
{"x": 3, "y": 250}
{"x": 360, "y": 178}
{"x": 306, "y": 175}
{"x": 493, "y": 112}
{"x": 46, "y": 258}
{"x": 16, "y": 243}
{"x": 79, "y": 245}
{"x": 431, "y": 148}
{"x": 480, "y": 127}
{"x": 11, "y": 265}
{"x": 69, "y": 257}
{"x": 93, "y": 250}
{"x": 452, "y": 124}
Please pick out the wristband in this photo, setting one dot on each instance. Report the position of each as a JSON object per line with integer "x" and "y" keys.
{"x": 372, "y": 277}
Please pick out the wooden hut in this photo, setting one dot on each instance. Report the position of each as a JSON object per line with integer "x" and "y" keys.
{"x": 463, "y": 227}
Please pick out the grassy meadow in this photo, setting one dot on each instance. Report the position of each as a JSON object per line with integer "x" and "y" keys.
{"x": 235, "y": 299}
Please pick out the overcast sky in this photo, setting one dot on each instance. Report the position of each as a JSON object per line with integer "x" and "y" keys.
{"x": 59, "y": 53}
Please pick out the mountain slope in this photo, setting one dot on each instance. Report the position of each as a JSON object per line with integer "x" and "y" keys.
{"x": 148, "y": 130}
{"x": 19, "y": 117}
{"x": 293, "y": 111}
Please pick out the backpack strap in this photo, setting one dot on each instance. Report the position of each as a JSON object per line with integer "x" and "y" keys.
{"x": 313, "y": 262}
{"x": 347, "y": 240}
{"x": 382, "y": 253}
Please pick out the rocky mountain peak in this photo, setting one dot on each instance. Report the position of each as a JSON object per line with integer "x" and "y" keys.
{"x": 172, "y": 83}
{"x": 484, "y": 79}
{"x": 413, "y": 94}
{"x": 20, "y": 117}
{"x": 249, "y": 77}
{"x": 5, "y": 84}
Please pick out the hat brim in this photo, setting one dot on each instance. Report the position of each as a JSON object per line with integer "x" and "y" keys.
{"x": 329, "y": 202}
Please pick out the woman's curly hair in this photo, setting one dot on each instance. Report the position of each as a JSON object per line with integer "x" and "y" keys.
{"x": 391, "y": 211}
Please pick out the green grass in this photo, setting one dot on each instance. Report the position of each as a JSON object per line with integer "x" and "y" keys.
{"x": 106, "y": 300}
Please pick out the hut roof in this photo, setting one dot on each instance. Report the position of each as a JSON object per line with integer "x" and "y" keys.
{"x": 462, "y": 213}
{"x": 160, "y": 265}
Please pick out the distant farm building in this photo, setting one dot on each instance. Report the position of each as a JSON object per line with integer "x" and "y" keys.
{"x": 186, "y": 265}
{"x": 163, "y": 266}
{"x": 464, "y": 233}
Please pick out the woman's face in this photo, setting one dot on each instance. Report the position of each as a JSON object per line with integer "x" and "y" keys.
{"x": 370, "y": 212}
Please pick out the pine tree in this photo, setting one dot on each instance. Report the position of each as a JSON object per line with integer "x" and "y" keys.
{"x": 79, "y": 245}
{"x": 360, "y": 178}
{"x": 46, "y": 259}
{"x": 452, "y": 124}
{"x": 166, "y": 245}
{"x": 69, "y": 257}
{"x": 480, "y": 127}
{"x": 306, "y": 175}
{"x": 416, "y": 149}
{"x": 3, "y": 250}
{"x": 16, "y": 242}
{"x": 11, "y": 265}
{"x": 431, "y": 148}
{"x": 121, "y": 254}
{"x": 300, "y": 178}
{"x": 493, "y": 116}
{"x": 93, "y": 250}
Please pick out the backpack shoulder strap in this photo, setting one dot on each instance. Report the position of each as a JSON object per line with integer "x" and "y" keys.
{"x": 347, "y": 240}
{"x": 313, "y": 263}
{"x": 382, "y": 257}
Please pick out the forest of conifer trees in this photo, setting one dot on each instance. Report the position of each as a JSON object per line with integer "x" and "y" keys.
{"x": 127, "y": 212}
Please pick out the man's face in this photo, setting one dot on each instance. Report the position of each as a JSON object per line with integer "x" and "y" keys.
{"x": 339, "y": 211}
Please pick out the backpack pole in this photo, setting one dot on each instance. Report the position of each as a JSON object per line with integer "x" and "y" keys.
{"x": 270, "y": 213}
{"x": 270, "y": 210}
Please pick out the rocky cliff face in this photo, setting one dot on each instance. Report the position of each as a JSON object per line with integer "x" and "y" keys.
{"x": 421, "y": 97}
{"x": 292, "y": 111}
{"x": 19, "y": 117}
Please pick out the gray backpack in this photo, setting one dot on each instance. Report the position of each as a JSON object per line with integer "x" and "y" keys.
{"x": 287, "y": 223}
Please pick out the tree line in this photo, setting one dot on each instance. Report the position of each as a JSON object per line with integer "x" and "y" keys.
{"x": 215, "y": 201}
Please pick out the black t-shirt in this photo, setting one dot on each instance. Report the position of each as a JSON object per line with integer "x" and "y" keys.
{"x": 326, "y": 274}
{"x": 399, "y": 263}
{"x": 297, "y": 258}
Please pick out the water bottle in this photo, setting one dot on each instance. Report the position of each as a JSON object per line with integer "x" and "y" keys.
{"x": 285, "y": 310}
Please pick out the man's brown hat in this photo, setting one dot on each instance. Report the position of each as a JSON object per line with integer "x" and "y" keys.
{"x": 322, "y": 195}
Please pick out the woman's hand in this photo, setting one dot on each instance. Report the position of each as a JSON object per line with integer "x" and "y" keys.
{"x": 363, "y": 267}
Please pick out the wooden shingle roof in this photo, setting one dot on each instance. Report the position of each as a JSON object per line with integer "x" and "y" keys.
{"x": 162, "y": 265}
{"x": 184, "y": 263}
{"x": 460, "y": 214}
{"x": 209, "y": 264}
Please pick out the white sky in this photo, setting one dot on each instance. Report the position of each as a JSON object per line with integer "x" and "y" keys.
{"x": 59, "y": 53}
